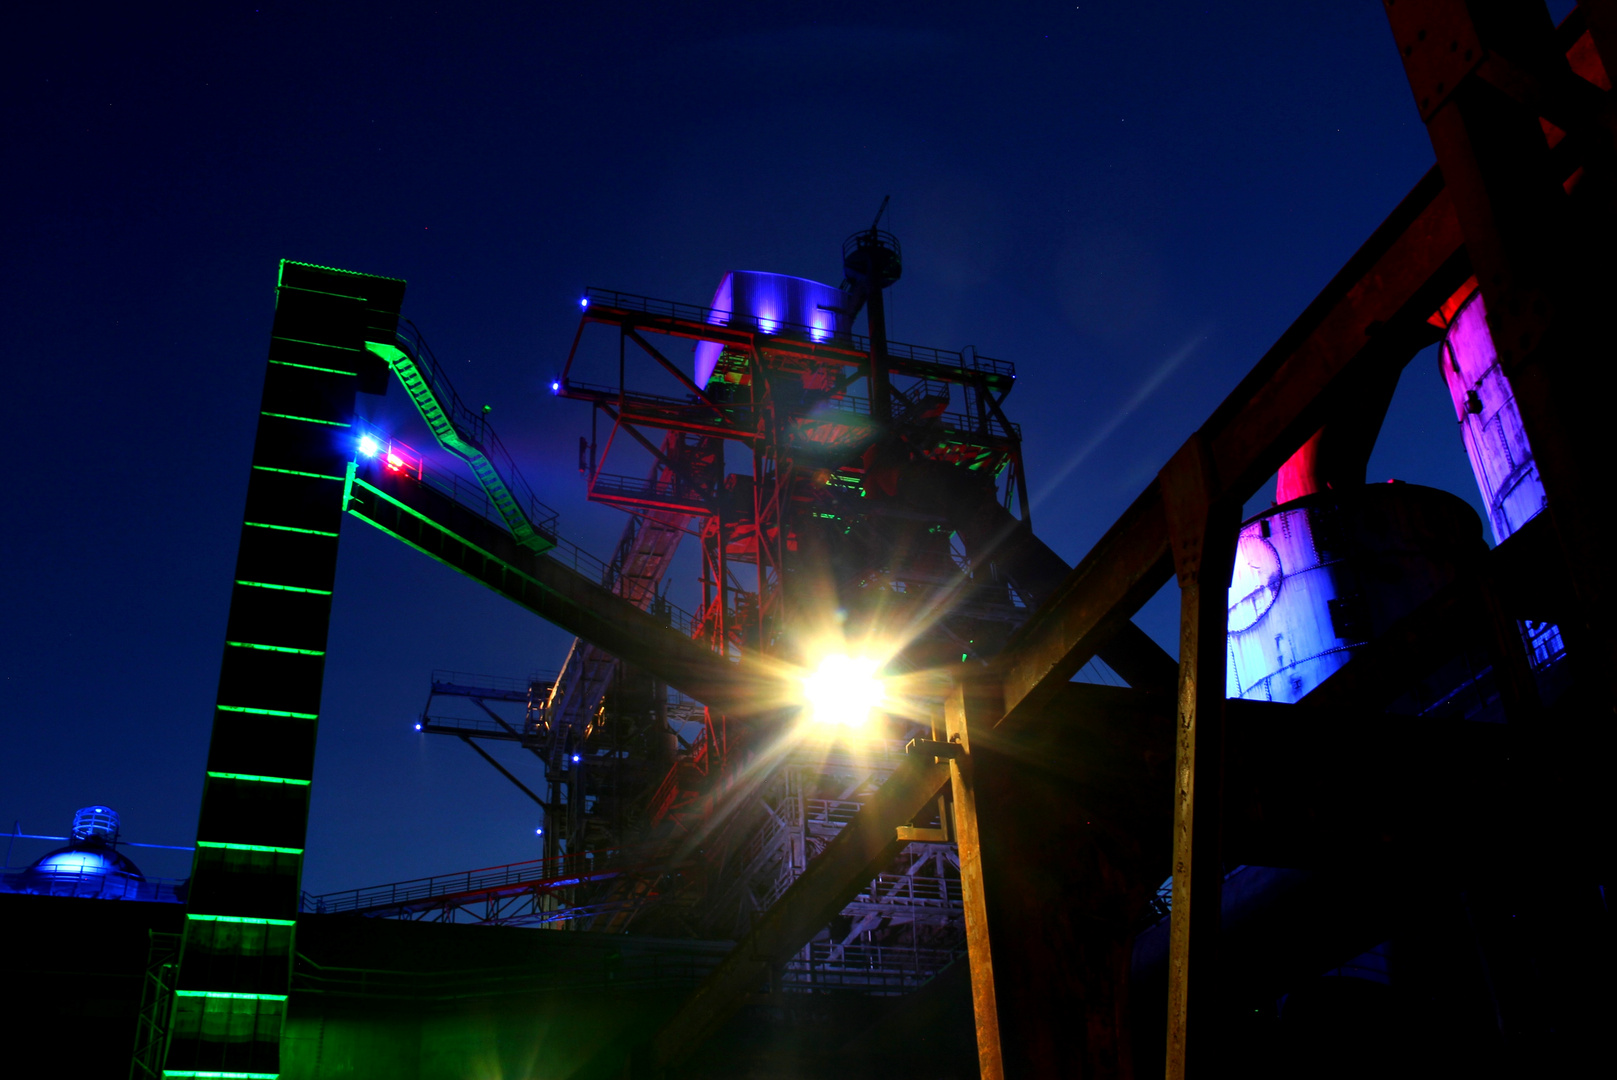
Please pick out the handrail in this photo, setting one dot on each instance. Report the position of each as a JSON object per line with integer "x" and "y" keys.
{"x": 571, "y": 555}
{"x": 532, "y": 873}
{"x": 643, "y": 487}
{"x": 851, "y": 404}
{"x": 472, "y": 428}
{"x": 673, "y": 309}
{"x": 446, "y": 677}
{"x": 475, "y": 497}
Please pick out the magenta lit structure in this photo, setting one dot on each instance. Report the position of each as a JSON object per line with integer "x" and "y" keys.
{"x": 1490, "y": 423}
{"x": 1491, "y": 427}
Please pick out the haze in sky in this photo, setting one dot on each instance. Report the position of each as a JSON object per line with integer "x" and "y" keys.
{"x": 1130, "y": 201}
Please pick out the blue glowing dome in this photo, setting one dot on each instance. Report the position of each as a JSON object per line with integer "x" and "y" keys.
{"x": 81, "y": 861}
{"x": 90, "y": 865}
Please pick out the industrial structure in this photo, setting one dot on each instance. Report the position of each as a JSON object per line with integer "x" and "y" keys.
{"x": 1372, "y": 781}
{"x": 90, "y": 866}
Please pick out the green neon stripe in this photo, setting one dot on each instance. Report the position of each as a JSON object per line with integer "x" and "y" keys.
{"x": 437, "y": 527}
{"x": 296, "y": 472}
{"x": 306, "y": 341}
{"x": 288, "y": 528}
{"x": 240, "y": 919}
{"x": 311, "y": 367}
{"x": 305, "y": 419}
{"x": 335, "y": 270}
{"x": 250, "y": 847}
{"x": 223, "y": 1075}
{"x": 257, "y": 779}
{"x": 227, "y": 994}
{"x": 275, "y": 648}
{"x": 268, "y": 712}
{"x": 348, "y": 482}
{"x": 283, "y": 588}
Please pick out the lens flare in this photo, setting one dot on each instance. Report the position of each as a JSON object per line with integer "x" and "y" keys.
{"x": 844, "y": 691}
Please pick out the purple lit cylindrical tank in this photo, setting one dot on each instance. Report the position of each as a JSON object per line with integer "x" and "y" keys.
{"x": 1501, "y": 458}
{"x": 772, "y": 304}
{"x": 1490, "y": 423}
{"x": 1318, "y": 578}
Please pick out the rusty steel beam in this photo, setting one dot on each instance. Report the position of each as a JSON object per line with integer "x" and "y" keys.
{"x": 857, "y": 854}
{"x": 1371, "y": 316}
{"x": 1202, "y": 527}
{"x": 436, "y": 525}
{"x": 1051, "y": 937}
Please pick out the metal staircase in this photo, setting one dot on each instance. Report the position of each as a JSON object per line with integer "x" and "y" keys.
{"x": 466, "y": 434}
{"x": 647, "y": 548}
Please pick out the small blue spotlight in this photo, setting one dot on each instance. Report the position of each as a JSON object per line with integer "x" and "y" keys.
{"x": 583, "y": 302}
{"x": 538, "y": 832}
{"x": 555, "y": 386}
{"x": 575, "y": 759}
{"x": 418, "y": 727}
{"x": 369, "y": 446}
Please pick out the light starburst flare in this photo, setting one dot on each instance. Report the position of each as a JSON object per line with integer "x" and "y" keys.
{"x": 844, "y": 691}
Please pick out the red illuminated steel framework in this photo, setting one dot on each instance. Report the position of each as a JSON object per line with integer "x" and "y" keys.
{"x": 786, "y": 397}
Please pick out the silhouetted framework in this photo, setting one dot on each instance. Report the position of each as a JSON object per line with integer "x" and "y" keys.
{"x": 1035, "y": 815}
{"x": 1521, "y": 117}
{"x": 1132, "y": 784}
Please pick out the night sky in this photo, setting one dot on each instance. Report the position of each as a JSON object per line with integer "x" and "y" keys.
{"x": 1129, "y": 200}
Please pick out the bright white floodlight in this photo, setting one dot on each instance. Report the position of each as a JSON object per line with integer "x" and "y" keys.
{"x": 844, "y": 691}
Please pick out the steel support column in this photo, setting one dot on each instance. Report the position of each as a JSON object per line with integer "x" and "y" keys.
{"x": 1050, "y": 939}
{"x": 1202, "y": 530}
{"x": 974, "y": 704}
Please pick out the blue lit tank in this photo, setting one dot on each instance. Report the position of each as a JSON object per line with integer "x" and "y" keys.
{"x": 772, "y": 304}
{"x": 1491, "y": 426}
{"x": 1319, "y": 577}
{"x": 90, "y": 866}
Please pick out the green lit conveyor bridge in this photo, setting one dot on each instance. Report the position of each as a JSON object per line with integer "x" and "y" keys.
{"x": 501, "y": 536}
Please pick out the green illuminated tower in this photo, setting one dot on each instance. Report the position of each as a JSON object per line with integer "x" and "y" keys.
{"x": 236, "y": 953}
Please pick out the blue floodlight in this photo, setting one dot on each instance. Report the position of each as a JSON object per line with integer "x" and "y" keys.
{"x": 555, "y": 386}
{"x": 539, "y": 832}
{"x": 418, "y": 727}
{"x": 583, "y": 302}
{"x": 369, "y": 446}
{"x": 575, "y": 758}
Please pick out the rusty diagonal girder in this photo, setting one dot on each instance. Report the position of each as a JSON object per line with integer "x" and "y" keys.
{"x": 1371, "y": 314}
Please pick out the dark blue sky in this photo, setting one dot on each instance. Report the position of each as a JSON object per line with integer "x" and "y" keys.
{"x": 1128, "y": 200}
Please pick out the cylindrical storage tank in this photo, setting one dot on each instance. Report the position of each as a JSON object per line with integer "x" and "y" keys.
{"x": 1491, "y": 426}
{"x": 1490, "y": 423}
{"x": 1318, "y": 578}
{"x": 772, "y": 304}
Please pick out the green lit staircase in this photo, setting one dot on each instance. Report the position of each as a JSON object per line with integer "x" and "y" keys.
{"x": 465, "y": 434}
